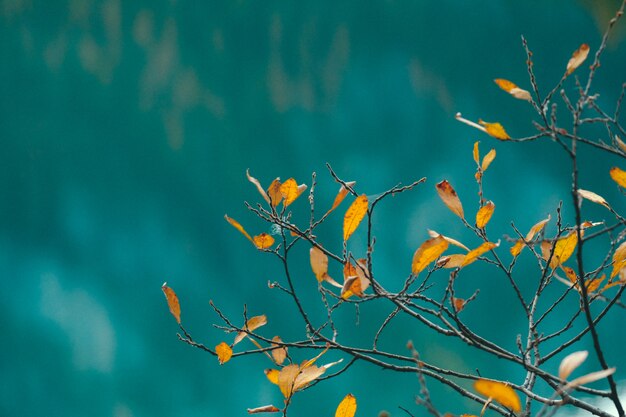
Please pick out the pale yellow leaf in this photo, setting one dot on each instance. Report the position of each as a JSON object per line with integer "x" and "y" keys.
{"x": 500, "y": 392}
{"x": 427, "y": 253}
{"x": 347, "y": 407}
{"x": 263, "y": 241}
{"x": 619, "y": 259}
{"x": 495, "y": 130}
{"x": 224, "y": 352}
{"x": 257, "y": 184}
{"x": 593, "y": 197}
{"x": 488, "y": 159}
{"x": 306, "y": 376}
{"x": 251, "y": 325}
{"x": 484, "y": 214}
{"x": 571, "y": 362}
{"x": 591, "y": 377}
{"x": 264, "y": 409}
{"x": 343, "y": 192}
{"x": 620, "y": 143}
{"x": 172, "y": 301}
{"x": 354, "y": 215}
{"x": 619, "y": 176}
{"x": 450, "y": 198}
{"x": 319, "y": 263}
{"x": 475, "y": 253}
{"x": 274, "y": 192}
{"x": 280, "y": 353}
{"x": 578, "y": 57}
{"x": 286, "y": 379}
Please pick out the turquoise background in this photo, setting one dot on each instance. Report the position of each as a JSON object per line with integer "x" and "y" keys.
{"x": 126, "y": 130}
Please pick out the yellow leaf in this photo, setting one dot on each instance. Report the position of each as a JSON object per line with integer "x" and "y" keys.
{"x": 517, "y": 248}
{"x": 619, "y": 176}
{"x": 571, "y": 362}
{"x": 593, "y": 197}
{"x": 594, "y": 284}
{"x": 224, "y": 352}
{"x": 450, "y": 197}
{"x": 476, "y": 152}
{"x": 274, "y": 192}
{"x": 427, "y": 253}
{"x": 484, "y": 214}
{"x": 172, "y": 301}
{"x": 563, "y": 249}
{"x": 272, "y": 375}
{"x": 451, "y": 261}
{"x": 488, "y": 159}
{"x": 290, "y": 190}
{"x": 239, "y": 227}
{"x": 578, "y": 57}
{"x": 306, "y": 376}
{"x": 475, "y": 253}
{"x": 343, "y": 192}
{"x": 536, "y": 229}
{"x": 263, "y": 241}
{"x": 354, "y": 215}
{"x": 264, "y": 409}
{"x": 500, "y": 392}
{"x": 513, "y": 89}
{"x": 279, "y": 354}
{"x": 355, "y": 279}
{"x": 251, "y": 325}
{"x": 287, "y": 378}
{"x": 451, "y": 241}
{"x": 619, "y": 259}
{"x": 258, "y": 186}
{"x": 495, "y": 130}
{"x": 310, "y": 362}
{"x": 620, "y": 143}
{"x": 347, "y": 407}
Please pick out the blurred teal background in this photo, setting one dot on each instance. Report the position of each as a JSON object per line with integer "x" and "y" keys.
{"x": 126, "y": 130}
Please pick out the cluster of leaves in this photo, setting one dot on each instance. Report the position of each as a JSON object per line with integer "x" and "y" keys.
{"x": 559, "y": 258}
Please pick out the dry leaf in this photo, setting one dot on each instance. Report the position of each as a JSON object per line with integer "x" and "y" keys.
{"x": 354, "y": 215}
{"x": 279, "y": 354}
{"x": 294, "y": 377}
{"x": 290, "y": 190}
{"x": 500, "y": 392}
{"x": 475, "y": 253}
{"x": 172, "y": 301}
{"x": 263, "y": 241}
{"x": 287, "y": 378}
{"x": 519, "y": 245}
{"x": 495, "y": 130}
{"x": 319, "y": 263}
{"x": 347, "y": 407}
{"x": 458, "y": 304}
{"x": 484, "y": 214}
{"x": 488, "y": 159}
{"x": 513, "y": 89}
{"x": 578, "y": 57}
{"x": 571, "y": 275}
{"x": 264, "y": 409}
{"x": 258, "y": 186}
{"x": 451, "y": 241}
{"x": 343, "y": 192}
{"x": 239, "y": 227}
{"x": 619, "y": 176}
{"x": 591, "y": 377}
{"x": 224, "y": 352}
{"x": 274, "y": 192}
{"x": 427, "y": 253}
{"x": 450, "y": 197}
{"x": 251, "y": 325}
{"x": 619, "y": 259}
{"x": 620, "y": 143}
{"x": 451, "y": 261}
{"x": 571, "y": 362}
{"x": 272, "y": 375}
{"x": 593, "y": 197}
{"x": 476, "y": 152}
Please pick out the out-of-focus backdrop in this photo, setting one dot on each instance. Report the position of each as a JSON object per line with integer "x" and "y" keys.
{"x": 126, "y": 129}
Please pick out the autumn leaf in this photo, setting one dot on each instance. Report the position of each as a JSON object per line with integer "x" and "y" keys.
{"x": 257, "y": 184}
{"x": 239, "y": 227}
{"x": 571, "y": 362}
{"x": 475, "y": 253}
{"x": 563, "y": 249}
{"x": 263, "y": 241}
{"x": 476, "y": 152}
{"x": 451, "y": 241}
{"x": 484, "y": 214}
{"x": 578, "y": 57}
{"x": 264, "y": 409}
{"x": 172, "y": 301}
{"x": 488, "y": 159}
{"x": 286, "y": 379}
{"x": 224, "y": 352}
{"x": 495, "y": 130}
{"x": 290, "y": 190}
{"x": 594, "y": 284}
{"x": 293, "y": 378}
{"x": 619, "y": 259}
{"x": 619, "y": 176}
{"x": 513, "y": 89}
{"x": 450, "y": 198}
{"x": 593, "y": 197}
{"x": 251, "y": 325}
{"x": 451, "y": 261}
{"x": 519, "y": 245}
{"x": 427, "y": 253}
{"x": 347, "y": 407}
{"x": 620, "y": 143}
{"x": 274, "y": 193}
{"x": 272, "y": 375}
{"x": 591, "y": 377}
{"x": 356, "y": 279}
{"x": 354, "y": 215}
{"x": 280, "y": 353}
{"x": 500, "y": 392}
{"x": 343, "y": 192}
{"x": 458, "y": 304}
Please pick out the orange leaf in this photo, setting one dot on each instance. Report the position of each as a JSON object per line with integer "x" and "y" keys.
{"x": 224, "y": 352}
{"x": 517, "y": 248}
{"x": 570, "y": 274}
{"x": 274, "y": 192}
{"x": 264, "y": 409}
{"x": 594, "y": 284}
{"x": 172, "y": 301}
{"x": 488, "y": 159}
{"x": 319, "y": 263}
{"x": 513, "y": 89}
{"x": 475, "y": 253}
{"x": 450, "y": 197}
{"x": 495, "y": 130}
{"x": 239, "y": 227}
{"x": 263, "y": 241}
{"x": 427, "y": 253}
{"x": 272, "y": 375}
{"x": 458, "y": 304}
{"x": 290, "y": 190}
{"x": 499, "y": 392}
{"x": 578, "y": 57}
{"x": 251, "y": 325}
{"x": 619, "y": 259}
{"x": 347, "y": 407}
{"x": 484, "y": 214}
{"x": 619, "y": 176}
{"x": 343, "y": 192}
{"x": 476, "y": 152}
{"x": 257, "y": 185}
{"x": 354, "y": 215}
{"x": 519, "y": 245}
{"x": 279, "y": 354}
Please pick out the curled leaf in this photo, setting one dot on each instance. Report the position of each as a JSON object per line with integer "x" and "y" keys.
{"x": 593, "y": 197}
{"x": 263, "y": 241}
{"x": 263, "y": 409}
{"x": 347, "y": 407}
{"x": 450, "y": 198}
{"x": 257, "y": 184}
{"x": 238, "y": 226}
{"x": 172, "y": 301}
{"x": 224, "y": 352}
{"x": 251, "y": 325}
{"x": 500, "y": 392}
{"x": 495, "y": 130}
{"x": 571, "y": 362}
{"x": 484, "y": 214}
{"x": 578, "y": 57}
{"x": 513, "y": 89}
{"x": 488, "y": 159}
{"x": 620, "y": 143}
{"x": 451, "y": 241}
{"x": 427, "y": 253}
{"x": 354, "y": 215}
{"x": 619, "y": 176}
